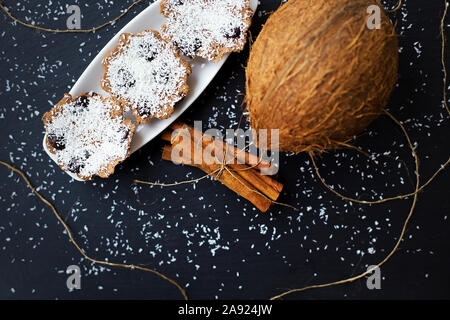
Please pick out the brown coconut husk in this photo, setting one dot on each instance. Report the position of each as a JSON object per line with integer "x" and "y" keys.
{"x": 318, "y": 74}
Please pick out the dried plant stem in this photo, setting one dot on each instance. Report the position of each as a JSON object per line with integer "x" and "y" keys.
{"x": 175, "y": 183}
{"x": 398, "y": 6}
{"x": 397, "y": 244}
{"x": 399, "y": 197}
{"x": 217, "y": 171}
{"x": 28, "y": 25}
{"x": 69, "y": 233}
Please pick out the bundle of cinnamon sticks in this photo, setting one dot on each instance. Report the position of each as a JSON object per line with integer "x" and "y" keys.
{"x": 240, "y": 171}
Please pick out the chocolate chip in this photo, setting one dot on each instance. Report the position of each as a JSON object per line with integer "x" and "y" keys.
{"x": 189, "y": 49}
{"x": 82, "y": 102}
{"x": 57, "y": 142}
{"x": 162, "y": 76}
{"x": 74, "y": 165}
{"x": 197, "y": 45}
{"x": 126, "y": 78}
{"x": 147, "y": 52}
{"x": 233, "y": 33}
{"x": 165, "y": 77}
{"x": 183, "y": 48}
{"x": 142, "y": 110}
{"x": 150, "y": 58}
{"x": 178, "y": 2}
{"x": 126, "y": 133}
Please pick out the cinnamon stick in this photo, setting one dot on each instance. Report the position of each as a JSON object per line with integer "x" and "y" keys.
{"x": 263, "y": 183}
{"x": 243, "y": 179}
{"x": 240, "y": 155}
{"x": 255, "y": 179}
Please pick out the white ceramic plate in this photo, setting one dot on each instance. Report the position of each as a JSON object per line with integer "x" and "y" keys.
{"x": 203, "y": 72}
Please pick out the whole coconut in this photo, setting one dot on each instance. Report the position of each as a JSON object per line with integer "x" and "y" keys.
{"x": 318, "y": 74}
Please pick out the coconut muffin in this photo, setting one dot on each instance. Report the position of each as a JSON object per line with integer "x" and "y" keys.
{"x": 88, "y": 134}
{"x": 207, "y": 28}
{"x": 146, "y": 74}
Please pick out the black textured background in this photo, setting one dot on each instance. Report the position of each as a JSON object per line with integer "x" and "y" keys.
{"x": 213, "y": 243}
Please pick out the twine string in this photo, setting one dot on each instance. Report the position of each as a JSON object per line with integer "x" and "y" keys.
{"x": 402, "y": 233}
{"x": 398, "y": 6}
{"x": 74, "y": 242}
{"x": 399, "y": 197}
{"x": 93, "y": 29}
{"x": 216, "y": 174}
